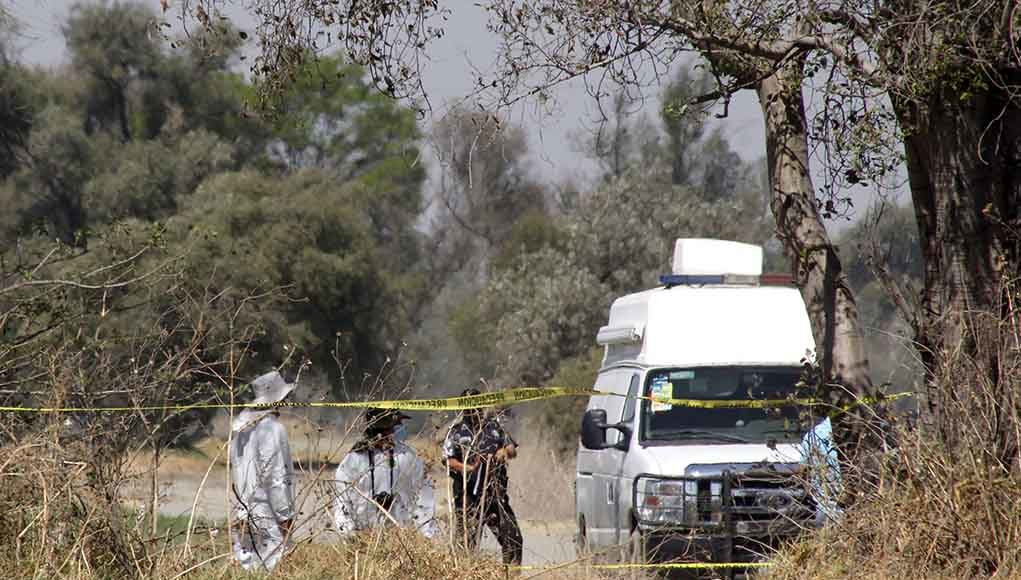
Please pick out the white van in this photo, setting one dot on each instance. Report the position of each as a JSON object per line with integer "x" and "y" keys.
{"x": 694, "y": 482}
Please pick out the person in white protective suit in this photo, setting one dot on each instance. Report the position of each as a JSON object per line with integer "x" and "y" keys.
{"x": 262, "y": 479}
{"x": 383, "y": 481}
{"x": 819, "y": 453}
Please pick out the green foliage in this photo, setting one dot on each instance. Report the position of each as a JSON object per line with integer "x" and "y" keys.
{"x": 147, "y": 179}
{"x": 562, "y": 416}
{"x": 50, "y": 190}
{"x": 248, "y": 233}
{"x": 532, "y": 232}
{"x": 553, "y": 277}
{"x": 332, "y": 118}
{"x": 116, "y": 324}
{"x": 544, "y": 310}
{"x": 475, "y": 335}
{"x": 16, "y": 114}
{"x": 547, "y": 305}
{"x": 114, "y": 45}
{"x": 893, "y": 232}
{"x": 313, "y": 210}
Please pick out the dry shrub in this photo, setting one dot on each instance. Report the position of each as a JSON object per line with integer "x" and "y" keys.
{"x": 59, "y": 519}
{"x": 380, "y": 555}
{"x": 60, "y": 516}
{"x": 397, "y": 553}
{"x": 541, "y": 477}
{"x": 948, "y": 503}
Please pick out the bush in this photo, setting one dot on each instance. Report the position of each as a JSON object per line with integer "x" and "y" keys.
{"x": 560, "y": 418}
{"x": 948, "y": 500}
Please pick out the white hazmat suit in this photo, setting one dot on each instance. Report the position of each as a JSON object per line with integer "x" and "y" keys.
{"x": 262, "y": 476}
{"x": 398, "y": 472}
{"x": 819, "y": 452}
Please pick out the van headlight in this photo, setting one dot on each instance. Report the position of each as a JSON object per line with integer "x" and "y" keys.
{"x": 679, "y": 501}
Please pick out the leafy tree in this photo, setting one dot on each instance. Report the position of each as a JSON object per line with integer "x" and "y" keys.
{"x": 560, "y": 416}
{"x": 115, "y": 45}
{"x": 546, "y": 305}
{"x": 62, "y": 160}
{"x": 16, "y": 114}
{"x": 68, "y": 187}
{"x": 192, "y": 86}
{"x": 159, "y": 133}
{"x": 148, "y": 179}
{"x": 332, "y": 120}
{"x": 684, "y": 129}
{"x": 489, "y": 186}
{"x": 304, "y": 236}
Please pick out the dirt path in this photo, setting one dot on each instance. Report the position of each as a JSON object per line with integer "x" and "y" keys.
{"x": 545, "y": 542}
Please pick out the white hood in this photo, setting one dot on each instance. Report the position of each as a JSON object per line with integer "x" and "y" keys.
{"x": 672, "y": 460}
{"x": 246, "y": 418}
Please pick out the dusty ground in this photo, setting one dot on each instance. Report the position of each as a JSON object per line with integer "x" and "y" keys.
{"x": 541, "y": 487}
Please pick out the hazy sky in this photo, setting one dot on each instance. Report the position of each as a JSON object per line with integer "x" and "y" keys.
{"x": 447, "y": 78}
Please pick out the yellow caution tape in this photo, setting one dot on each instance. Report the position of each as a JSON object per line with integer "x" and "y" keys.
{"x": 733, "y": 403}
{"x": 766, "y": 403}
{"x": 674, "y": 565}
{"x": 482, "y": 401}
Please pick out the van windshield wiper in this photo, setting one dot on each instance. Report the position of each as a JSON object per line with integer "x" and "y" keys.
{"x": 702, "y": 434}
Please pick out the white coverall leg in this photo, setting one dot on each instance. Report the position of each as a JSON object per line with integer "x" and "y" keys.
{"x": 259, "y": 545}
{"x": 263, "y": 480}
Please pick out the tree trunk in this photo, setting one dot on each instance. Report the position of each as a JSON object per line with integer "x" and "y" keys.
{"x": 840, "y": 349}
{"x": 964, "y": 166}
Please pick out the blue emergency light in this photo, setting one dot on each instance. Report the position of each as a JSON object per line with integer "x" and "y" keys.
{"x": 685, "y": 280}
{"x": 670, "y": 280}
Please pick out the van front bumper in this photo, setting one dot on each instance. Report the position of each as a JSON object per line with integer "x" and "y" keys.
{"x": 694, "y": 546}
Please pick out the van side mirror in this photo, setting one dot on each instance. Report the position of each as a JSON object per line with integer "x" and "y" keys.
{"x": 593, "y": 431}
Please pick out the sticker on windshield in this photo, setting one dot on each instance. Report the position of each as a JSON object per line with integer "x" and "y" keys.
{"x": 682, "y": 375}
{"x": 662, "y": 388}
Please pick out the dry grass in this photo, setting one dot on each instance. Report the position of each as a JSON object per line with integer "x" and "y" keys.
{"x": 948, "y": 504}
{"x": 542, "y": 482}
{"x": 70, "y": 532}
{"x": 395, "y": 554}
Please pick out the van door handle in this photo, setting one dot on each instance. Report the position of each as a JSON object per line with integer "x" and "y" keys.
{"x": 610, "y": 492}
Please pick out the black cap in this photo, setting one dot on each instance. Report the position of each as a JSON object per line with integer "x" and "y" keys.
{"x": 472, "y": 414}
{"x": 383, "y": 419}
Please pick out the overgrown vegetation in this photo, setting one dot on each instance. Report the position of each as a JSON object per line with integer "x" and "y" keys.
{"x": 947, "y": 503}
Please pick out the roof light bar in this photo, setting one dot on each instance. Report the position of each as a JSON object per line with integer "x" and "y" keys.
{"x": 778, "y": 279}
{"x": 669, "y": 280}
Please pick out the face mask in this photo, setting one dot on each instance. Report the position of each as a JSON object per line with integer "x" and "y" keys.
{"x": 400, "y": 433}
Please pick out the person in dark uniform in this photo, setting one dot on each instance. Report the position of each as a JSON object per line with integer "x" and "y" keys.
{"x": 477, "y": 450}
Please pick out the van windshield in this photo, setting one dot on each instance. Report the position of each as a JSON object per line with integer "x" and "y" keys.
{"x": 666, "y": 422}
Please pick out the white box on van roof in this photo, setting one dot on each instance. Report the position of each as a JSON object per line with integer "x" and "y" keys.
{"x": 710, "y": 324}
{"x": 701, "y": 257}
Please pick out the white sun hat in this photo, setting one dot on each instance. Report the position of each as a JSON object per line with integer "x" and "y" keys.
{"x": 271, "y": 388}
